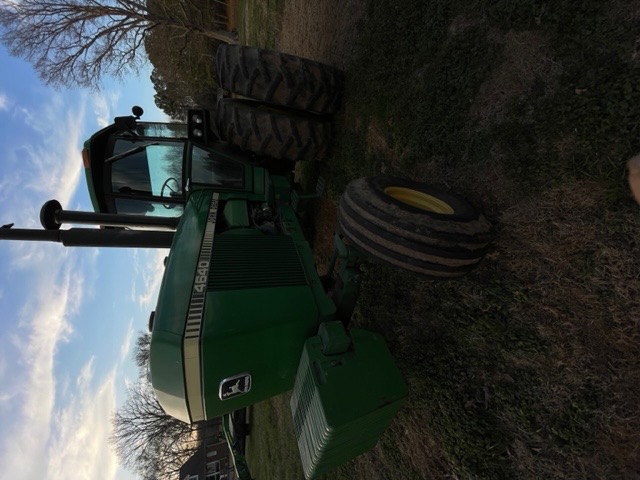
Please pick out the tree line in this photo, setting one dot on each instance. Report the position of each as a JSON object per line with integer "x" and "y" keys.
{"x": 79, "y": 42}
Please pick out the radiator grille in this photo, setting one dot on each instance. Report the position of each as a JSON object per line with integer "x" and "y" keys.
{"x": 303, "y": 395}
{"x": 254, "y": 261}
{"x": 341, "y": 404}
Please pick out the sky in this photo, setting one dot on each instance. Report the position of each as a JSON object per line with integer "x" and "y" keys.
{"x": 69, "y": 317}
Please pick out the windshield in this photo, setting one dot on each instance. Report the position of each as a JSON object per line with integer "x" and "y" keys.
{"x": 152, "y": 169}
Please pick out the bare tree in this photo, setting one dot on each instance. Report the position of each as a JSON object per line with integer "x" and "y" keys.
{"x": 146, "y": 439}
{"x": 76, "y": 42}
{"x": 183, "y": 71}
{"x": 142, "y": 352}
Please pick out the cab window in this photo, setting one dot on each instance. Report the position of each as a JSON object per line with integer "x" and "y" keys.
{"x": 214, "y": 169}
{"x": 146, "y": 176}
{"x": 163, "y": 130}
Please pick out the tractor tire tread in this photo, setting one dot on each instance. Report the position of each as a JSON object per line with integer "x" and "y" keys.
{"x": 432, "y": 245}
{"x": 283, "y": 135}
{"x": 279, "y": 78}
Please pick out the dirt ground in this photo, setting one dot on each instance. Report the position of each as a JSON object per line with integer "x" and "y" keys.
{"x": 324, "y": 31}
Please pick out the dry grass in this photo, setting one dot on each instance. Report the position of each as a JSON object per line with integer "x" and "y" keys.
{"x": 525, "y": 60}
{"x": 377, "y": 145}
{"x": 324, "y": 31}
{"x": 582, "y": 262}
{"x": 419, "y": 444}
{"x": 258, "y": 21}
{"x": 625, "y": 10}
{"x": 324, "y": 227}
{"x": 270, "y": 453}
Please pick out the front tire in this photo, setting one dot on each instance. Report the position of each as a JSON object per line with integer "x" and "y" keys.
{"x": 413, "y": 226}
{"x": 278, "y": 78}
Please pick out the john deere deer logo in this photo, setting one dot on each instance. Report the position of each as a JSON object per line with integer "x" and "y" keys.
{"x": 234, "y": 386}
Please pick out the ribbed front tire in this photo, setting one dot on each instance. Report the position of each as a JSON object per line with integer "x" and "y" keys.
{"x": 414, "y": 226}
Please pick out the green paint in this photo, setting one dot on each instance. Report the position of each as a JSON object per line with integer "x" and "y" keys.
{"x": 336, "y": 418}
{"x": 236, "y": 213}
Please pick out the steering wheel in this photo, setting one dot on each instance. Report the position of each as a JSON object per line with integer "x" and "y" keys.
{"x": 173, "y": 192}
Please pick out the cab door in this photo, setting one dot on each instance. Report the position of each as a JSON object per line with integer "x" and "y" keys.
{"x": 146, "y": 176}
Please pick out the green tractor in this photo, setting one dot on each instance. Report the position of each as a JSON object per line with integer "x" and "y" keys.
{"x": 242, "y": 313}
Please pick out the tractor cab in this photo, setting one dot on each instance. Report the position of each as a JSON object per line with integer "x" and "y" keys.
{"x": 150, "y": 168}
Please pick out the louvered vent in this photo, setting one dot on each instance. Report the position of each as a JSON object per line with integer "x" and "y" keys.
{"x": 254, "y": 261}
{"x": 341, "y": 404}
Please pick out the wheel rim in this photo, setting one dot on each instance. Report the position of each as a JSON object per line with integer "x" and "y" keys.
{"x": 420, "y": 200}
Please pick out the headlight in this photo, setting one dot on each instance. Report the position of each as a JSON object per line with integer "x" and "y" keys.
{"x": 198, "y": 125}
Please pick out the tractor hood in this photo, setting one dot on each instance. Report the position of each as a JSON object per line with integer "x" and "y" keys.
{"x": 167, "y": 352}
{"x": 235, "y": 307}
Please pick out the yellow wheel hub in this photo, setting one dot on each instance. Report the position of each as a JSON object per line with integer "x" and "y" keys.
{"x": 419, "y": 200}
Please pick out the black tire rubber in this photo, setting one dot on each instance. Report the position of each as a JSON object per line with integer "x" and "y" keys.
{"x": 432, "y": 245}
{"x": 278, "y": 78}
{"x": 267, "y": 131}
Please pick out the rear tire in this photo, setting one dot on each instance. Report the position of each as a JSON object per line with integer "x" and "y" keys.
{"x": 267, "y": 131}
{"x": 278, "y": 78}
{"x": 413, "y": 226}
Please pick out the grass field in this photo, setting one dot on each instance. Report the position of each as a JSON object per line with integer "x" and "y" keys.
{"x": 529, "y": 367}
{"x": 258, "y": 21}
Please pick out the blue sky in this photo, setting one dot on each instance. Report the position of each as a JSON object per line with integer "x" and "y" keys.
{"x": 69, "y": 317}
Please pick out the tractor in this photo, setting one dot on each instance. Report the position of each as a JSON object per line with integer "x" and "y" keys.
{"x": 242, "y": 313}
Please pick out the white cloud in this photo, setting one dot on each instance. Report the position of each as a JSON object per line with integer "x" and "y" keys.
{"x": 50, "y": 162}
{"x": 4, "y": 101}
{"x": 79, "y": 446}
{"x": 101, "y": 110}
{"x": 150, "y": 266}
{"x": 59, "y": 441}
{"x": 11, "y": 178}
{"x": 54, "y": 166}
{"x": 60, "y": 424}
{"x": 27, "y": 116}
{"x": 6, "y": 393}
{"x": 125, "y": 347}
{"x": 103, "y": 105}
{"x": 56, "y": 296}
{"x": 5, "y": 397}
{"x": 86, "y": 374}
